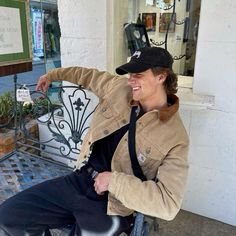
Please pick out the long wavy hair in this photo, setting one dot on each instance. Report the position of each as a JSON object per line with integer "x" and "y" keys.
{"x": 171, "y": 82}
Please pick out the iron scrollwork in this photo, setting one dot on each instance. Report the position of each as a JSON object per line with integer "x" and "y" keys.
{"x": 67, "y": 121}
{"x": 172, "y": 21}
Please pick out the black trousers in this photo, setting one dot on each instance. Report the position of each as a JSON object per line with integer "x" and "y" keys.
{"x": 69, "y": 200}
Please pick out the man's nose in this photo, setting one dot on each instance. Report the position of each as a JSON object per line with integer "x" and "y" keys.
{"x": 131, "y": 79}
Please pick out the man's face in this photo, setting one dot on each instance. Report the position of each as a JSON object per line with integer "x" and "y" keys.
{"x": 144, "y": 85}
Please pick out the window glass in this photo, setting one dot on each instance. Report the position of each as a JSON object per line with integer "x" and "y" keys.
{"x": 45, "y": 33}
{"x": 169, "y": 24}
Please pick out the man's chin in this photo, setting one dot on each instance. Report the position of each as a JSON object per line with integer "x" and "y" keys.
{"x": 136, "y": 98}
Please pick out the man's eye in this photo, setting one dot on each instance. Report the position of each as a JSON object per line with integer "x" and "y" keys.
{"x": 138, "y": 76}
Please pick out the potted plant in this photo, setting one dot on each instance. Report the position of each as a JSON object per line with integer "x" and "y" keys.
{"x": 6, "y": 109}
{"x": 27, "y": 112}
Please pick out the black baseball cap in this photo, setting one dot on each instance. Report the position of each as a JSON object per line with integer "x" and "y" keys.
{"x": 146, "y": 58}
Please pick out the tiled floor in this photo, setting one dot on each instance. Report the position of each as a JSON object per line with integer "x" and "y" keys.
{"x": 20, "y": 171}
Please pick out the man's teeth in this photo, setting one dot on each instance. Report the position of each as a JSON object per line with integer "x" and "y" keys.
{"x": 135, "y": 88}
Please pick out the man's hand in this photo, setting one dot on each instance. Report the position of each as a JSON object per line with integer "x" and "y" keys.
{"x": 101, "y": 182}
{"x": 43, "y": 84}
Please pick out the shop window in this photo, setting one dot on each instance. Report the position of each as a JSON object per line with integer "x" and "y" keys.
{"x": 172, "y": 24}
{"x": 45, "y": 33}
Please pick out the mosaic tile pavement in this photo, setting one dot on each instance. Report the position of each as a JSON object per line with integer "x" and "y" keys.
{"x": 20, "y": 171}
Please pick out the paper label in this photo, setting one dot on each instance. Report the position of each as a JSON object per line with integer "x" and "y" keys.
{"x": 23, "y": 95}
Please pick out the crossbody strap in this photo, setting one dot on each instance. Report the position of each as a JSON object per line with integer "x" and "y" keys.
{"x": 131, "y": 143}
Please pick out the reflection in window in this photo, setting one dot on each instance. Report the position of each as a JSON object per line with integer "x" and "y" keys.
{"x": 171, "y": 24}
{"x": 137, "y": 37}
{"x": 46, "y": 37}
{"x": 45, "y": 33}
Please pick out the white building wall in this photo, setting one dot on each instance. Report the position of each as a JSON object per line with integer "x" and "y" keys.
{"x": 83, "y": 33}
{"x": 211, "y": 189}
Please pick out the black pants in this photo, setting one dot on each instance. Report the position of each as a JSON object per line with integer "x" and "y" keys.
{"x": 58, "y": 203}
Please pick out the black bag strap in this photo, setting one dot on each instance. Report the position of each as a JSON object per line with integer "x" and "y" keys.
{"x": 131, "y": 143}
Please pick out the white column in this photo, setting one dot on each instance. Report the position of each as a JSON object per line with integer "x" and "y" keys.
{"x": 211, "y": 189}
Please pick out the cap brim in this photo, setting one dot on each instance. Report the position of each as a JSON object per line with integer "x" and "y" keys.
{"x": 132, "y": 67}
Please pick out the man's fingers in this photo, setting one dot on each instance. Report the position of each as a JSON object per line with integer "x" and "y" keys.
{"x": 43, "y": 84}
{"x": 38, "y": 87}
{"x": 45, "y": 87}
{"x": 101, "y": 182}
{"x": 96, "y": 188}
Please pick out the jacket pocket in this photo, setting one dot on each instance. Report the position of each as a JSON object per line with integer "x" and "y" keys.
{"x": 146, "y": 151}
{"x": 149, "y": 159}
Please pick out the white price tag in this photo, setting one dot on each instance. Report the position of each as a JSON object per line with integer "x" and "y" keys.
{"x": 23, "y": 95}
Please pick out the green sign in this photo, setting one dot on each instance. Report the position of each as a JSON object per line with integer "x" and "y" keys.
{"x": 15, "y": 41}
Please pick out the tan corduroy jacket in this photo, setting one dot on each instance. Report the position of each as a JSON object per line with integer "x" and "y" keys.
{"x": 161, "y": 146}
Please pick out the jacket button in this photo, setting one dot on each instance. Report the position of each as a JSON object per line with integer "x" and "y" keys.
{"x": 104, "y": 109}
{"x": 148, "y": 150}
{"x": 123, "y": 121}
{"x": 106, "y": 132}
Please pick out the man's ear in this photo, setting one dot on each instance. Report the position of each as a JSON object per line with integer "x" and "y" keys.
{"x": 162, "y": 77}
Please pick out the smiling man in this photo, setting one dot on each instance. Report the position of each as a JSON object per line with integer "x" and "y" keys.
{"x": 101, "y": 196}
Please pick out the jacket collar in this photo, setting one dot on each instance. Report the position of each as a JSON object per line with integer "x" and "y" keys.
{"x": 167, "y": 112}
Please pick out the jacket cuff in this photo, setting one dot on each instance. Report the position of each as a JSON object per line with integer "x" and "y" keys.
{"x": 116, "y": 183}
